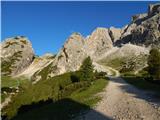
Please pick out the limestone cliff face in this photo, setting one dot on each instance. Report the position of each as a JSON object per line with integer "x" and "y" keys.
{"x": 16, "y": 55}
{"x": 115, "y": 33}
{"x": 72, "y": 53}
{"x": 98, "y": 42}
{"x": 144, "y": 29}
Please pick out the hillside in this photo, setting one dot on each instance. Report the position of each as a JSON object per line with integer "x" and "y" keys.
{"x": 77, "y": 75}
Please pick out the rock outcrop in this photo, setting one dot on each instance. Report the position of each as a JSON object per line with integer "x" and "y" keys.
{"x": 144, "y": 29}
{"x": 69, "y": 58}
{"x": 115, "y": 33}
{"x": 98, "y": 42}
{"x": 16, "y": 55}
{"x": 138, "y": 16}
{"x": 154, "y": 9}
{"x": 72, "y": 54}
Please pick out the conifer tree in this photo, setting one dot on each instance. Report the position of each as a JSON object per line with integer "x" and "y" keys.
{"x": 86, "y": 69}
{"x": 154, "y": 64}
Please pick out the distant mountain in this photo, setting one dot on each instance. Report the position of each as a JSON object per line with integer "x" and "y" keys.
{"x": 18, "y": 58}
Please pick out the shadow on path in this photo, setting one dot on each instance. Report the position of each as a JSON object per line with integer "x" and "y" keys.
{"x": 65, "y": 109}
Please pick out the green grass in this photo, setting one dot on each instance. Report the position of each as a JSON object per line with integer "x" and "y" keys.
{"x": 73, "y": 86}
{"x": 114, "y": 63}
{"x": 79, "y": 94}
{"x": 41, "y": 91}
{"x": 87, "y": 96}
{"x": 65, "y": 109}
{"x": 7, "y": 81}
{"x": 9, "y": 84}
{"x": 140, "y": 83}
{"x": 8, "y": 65}
{"x": 3, "y": 97}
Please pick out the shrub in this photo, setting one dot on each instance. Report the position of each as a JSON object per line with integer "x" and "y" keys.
{"x": 75, "y": 78}
{"x": 154, "y": 64}
{"x": 98, "y": 75}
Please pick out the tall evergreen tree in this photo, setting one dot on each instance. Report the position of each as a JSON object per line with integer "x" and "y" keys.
{"x": 154, "y": 64}
{"x": 86, "y": 69}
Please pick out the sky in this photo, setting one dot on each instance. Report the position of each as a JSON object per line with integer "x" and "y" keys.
{"x": 48, "y": 24}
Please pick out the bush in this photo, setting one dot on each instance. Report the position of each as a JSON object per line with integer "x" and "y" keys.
{"x": 76, "y": 77}
{"x": 98, "y": 75}
{"x": 154, "y": 64}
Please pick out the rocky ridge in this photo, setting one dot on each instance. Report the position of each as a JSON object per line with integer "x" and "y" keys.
{"x": 143, "y": 31}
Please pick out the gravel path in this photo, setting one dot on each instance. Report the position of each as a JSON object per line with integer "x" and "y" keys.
{"x": 122, "y": 101}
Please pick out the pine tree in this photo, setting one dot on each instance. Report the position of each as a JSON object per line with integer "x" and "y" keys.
{"x": 86, "y": 69}
{"x": 154, "y": 64}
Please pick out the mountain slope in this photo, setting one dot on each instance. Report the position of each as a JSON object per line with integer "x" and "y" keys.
{"x": 104, "y": 44}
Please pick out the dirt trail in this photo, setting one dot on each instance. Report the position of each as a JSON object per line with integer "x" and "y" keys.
{"x": 122, "y": 101}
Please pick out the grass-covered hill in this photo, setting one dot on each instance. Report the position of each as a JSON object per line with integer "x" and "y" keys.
{"x": 79, "y": 86}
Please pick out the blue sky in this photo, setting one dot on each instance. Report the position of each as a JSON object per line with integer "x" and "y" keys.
{"x": 48, "y": 24}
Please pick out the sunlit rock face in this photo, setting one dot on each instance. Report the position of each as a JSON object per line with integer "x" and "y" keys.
{"x": 144, "y": 28}
{"x": 98, "y": 42}
{"x": 71, "y": 54}
{"x": 115, "y": 33}
{"x": 16, "y": 55}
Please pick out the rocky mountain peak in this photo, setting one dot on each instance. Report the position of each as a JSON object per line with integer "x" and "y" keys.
{"x": 16, "y": 54}
{"x": 154, "y": 9}
{"x": 144, "y": 28}
{"x": 74, "y": 39}
{"x": 98, "y": 42}
{"x": 71, "y": 54}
